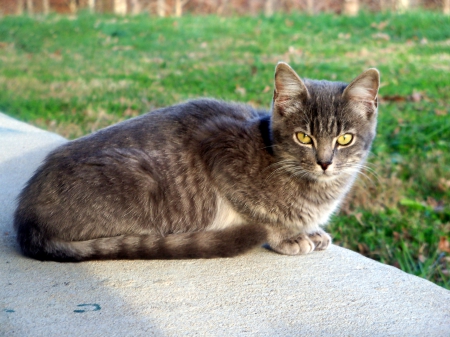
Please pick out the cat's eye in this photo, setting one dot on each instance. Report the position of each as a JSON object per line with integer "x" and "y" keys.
{"x": 345, "y": 139}
{"x": 304, "y": 138}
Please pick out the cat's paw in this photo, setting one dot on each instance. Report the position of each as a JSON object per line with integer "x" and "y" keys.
{"x": 297, "y": 245}
{"x": 321, "y": 239}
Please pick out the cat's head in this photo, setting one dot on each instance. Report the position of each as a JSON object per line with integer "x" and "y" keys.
{"x": 320, "y": 129}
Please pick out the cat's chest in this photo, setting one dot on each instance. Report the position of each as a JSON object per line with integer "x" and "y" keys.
{"x": 316, "y": 214}
{"x": 315, "y": 206}
{"x": 305, "y": 208}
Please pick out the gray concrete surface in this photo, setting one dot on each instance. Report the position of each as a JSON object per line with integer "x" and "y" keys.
{"x": 331, "y": 293}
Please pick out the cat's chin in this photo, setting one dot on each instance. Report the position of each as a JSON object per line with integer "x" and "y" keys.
{"x": 326, "y": 177}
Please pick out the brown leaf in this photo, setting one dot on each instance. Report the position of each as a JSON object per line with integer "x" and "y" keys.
{"x": 406, "y": 234}
{"x": 266, "y": 89}
{"x": 130, "y": 112}
{"x": 364, "y": 52}
{"x": 422, "y": 248}
{"x": 358, "y": 217}
{"x": 344, "y": 36}
{"x": 363, "y": 249}
{"x": 432, "y": 202}
{"x": 394, "y": 98}
{"x": 380, "y": 26}
{"x": 56, "y": 55}
{"x": 240, "y": 90}
{"x": 122, "y": 48}
{"x": 295, "y": 51}
{"x": 440, "y": 112}
{"x": 443, "y": 184}
{"x": 381, "y": 36}
{"x": 444, "y": 244}
{"x": 416, "y": 97}
{"x": 437, "y": 205}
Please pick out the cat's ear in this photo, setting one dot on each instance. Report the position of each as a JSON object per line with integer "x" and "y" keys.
{"x": 364, "y": 88}
{"x": 289, "y": 88}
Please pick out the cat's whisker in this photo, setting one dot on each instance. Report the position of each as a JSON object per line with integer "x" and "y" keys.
{"x": 357, "y": 173}
{"x": 288, "y": 166}
{"x": 363, "y": 169}
{"x": 301, "y": 174}
{"x": 293, "y": 169}
{"x": 285, "y": 167}
{"x": 281, "y": 162}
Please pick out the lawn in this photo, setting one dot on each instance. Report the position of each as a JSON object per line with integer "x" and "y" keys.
{"x": 74, "y": 75}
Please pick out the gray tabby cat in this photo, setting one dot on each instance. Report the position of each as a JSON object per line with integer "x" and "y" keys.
{"x": 205, "y": 178}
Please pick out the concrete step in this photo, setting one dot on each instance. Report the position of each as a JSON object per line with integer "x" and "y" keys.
{"x": 332, "y": 293}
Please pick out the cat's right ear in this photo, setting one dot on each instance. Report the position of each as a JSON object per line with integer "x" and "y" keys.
{"x": 289, "y": 89}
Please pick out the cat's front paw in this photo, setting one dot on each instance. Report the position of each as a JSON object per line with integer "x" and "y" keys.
{"x": 298, "y": 245}
{"x": 321, "y": 239}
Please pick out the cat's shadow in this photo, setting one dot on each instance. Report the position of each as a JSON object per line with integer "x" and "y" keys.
{"x": 31, "y": 286}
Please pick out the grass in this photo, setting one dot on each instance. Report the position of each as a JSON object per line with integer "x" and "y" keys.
{"x": 74, "y": 75}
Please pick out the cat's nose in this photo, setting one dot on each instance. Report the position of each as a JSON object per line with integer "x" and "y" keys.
{"x": 324, "y": 164}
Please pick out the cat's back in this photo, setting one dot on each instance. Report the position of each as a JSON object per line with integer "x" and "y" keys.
{"x": 174, "y": 124}
{"x": 174, "y": 129}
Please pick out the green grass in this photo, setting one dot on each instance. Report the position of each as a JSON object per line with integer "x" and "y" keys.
{"x": 74, "y": 75}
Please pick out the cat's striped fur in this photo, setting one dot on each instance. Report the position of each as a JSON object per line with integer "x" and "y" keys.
{"x": 203, "y": 179}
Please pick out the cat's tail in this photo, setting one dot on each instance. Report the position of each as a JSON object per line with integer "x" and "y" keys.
{"x": 205, "y": 244}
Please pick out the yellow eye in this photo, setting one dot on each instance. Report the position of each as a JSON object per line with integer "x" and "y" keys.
{"x": 303, "y": 138}
{"x": 345, "y": 139}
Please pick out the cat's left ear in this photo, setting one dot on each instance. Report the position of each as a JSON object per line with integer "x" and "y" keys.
{"x": 364, "y": 88}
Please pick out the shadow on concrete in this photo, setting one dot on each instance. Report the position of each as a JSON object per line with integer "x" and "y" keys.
{"x": 48, "y": 298}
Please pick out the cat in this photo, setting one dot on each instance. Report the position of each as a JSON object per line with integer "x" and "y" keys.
{"x": 204, "y": 178}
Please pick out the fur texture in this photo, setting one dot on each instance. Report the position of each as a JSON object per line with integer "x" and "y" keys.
{"x": 203, "y": 179}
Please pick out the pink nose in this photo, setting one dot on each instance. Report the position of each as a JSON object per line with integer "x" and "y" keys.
{"x": 324, "y": 165}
